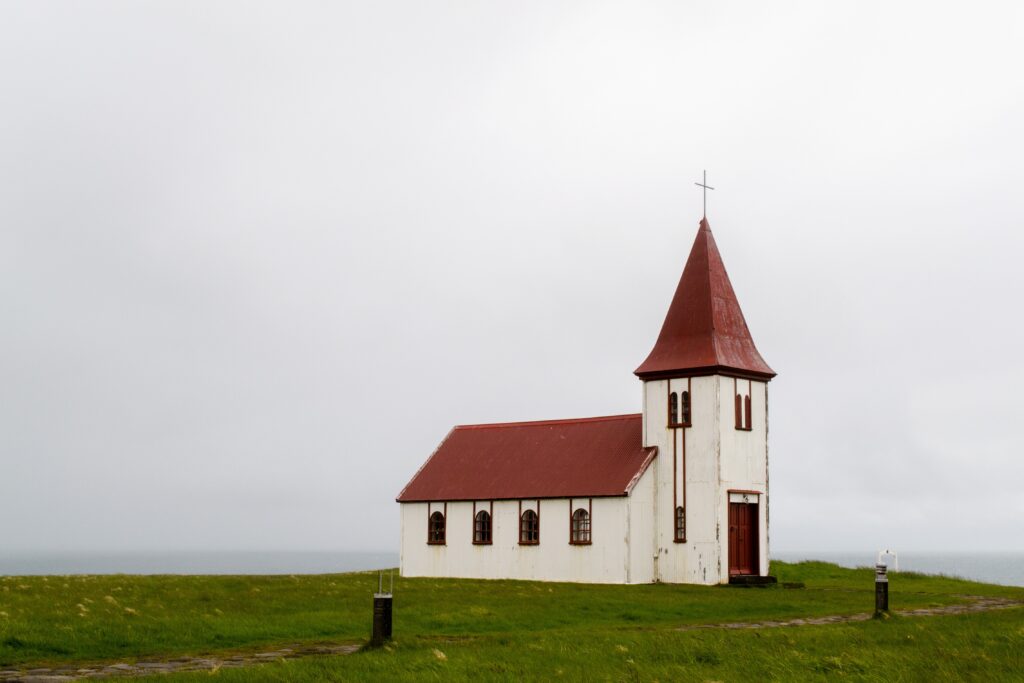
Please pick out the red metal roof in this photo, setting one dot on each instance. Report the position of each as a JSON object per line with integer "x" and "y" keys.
{"x": 704, "y": 331}
{"x": 597, "y": 456}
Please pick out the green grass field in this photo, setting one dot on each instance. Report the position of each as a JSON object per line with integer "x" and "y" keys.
{"x": 511, "y": 630}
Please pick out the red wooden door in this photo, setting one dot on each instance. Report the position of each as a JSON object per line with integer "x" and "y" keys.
{"x": 743, "y": 557}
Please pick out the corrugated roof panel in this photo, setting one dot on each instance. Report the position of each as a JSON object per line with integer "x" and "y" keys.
{"x": 598, "y": 456}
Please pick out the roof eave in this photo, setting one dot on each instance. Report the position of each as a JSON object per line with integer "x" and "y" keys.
{"x": 401, "y": 493}
{"x": 651, "y": 455}
{"x": 506, "y": 498}
{"x": 741, "y": 373}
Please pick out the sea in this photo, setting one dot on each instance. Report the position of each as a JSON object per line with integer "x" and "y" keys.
{"x": 1005, "y": 568}
{"x": 193, "y": 562}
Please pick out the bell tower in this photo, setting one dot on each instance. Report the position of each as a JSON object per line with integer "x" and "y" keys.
{"x": 705, "y": 391}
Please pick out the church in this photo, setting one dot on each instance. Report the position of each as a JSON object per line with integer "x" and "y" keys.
{"x": 677, "y": 493}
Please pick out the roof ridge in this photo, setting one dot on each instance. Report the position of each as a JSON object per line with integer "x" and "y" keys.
{"x": 537, "y": 423}
{"x": 705, "y": 232}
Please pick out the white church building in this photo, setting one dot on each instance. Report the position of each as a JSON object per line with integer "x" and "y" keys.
{"x": 677, "y": 493}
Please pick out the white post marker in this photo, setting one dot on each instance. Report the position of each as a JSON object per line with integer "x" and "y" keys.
{"x": 889, "y": 553}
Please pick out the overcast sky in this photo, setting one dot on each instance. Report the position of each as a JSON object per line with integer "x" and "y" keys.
{"x": 257, "y": 259}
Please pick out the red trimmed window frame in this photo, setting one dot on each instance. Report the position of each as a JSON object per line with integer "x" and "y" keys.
{"x": 679, "y": 484}
{"x": 523, "y": 530}
{"x": 743, "y": 411}
{"x": 584, "y": 534}
{"x": 433, "y": 537}
{"x": 680, "y": 406}
{"x": 483, "y": 527}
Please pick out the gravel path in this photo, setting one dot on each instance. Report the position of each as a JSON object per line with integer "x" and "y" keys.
{"x": 976, "y": 603}
{"x": 76, "y": 672}
{"x": 73, "y": 672}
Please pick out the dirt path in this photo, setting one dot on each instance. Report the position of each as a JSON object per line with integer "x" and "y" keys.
{"x": 977, "y": 604}
{"x": 72, "y": 672}
{"x": 76, "y": 672}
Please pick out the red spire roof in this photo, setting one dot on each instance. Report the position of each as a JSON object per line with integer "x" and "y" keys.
{"x": 704, "y": 331}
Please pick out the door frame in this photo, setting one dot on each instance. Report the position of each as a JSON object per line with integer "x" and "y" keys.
{"x": 752, "y": 499}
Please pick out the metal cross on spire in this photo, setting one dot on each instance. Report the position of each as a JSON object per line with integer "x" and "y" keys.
{"x": 706, "y": 188}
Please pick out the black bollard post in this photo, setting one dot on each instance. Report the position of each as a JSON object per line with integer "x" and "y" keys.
{"x": 881, "y": 589}
{"x": 381, "y": 616}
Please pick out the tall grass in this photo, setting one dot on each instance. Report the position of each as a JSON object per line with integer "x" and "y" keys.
{"x": 499, "y": 628}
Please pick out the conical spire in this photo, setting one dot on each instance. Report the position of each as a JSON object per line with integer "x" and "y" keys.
{"x": 704, "y": 331}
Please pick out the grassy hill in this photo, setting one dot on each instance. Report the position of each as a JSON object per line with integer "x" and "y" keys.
{"x": 518, "y": 630}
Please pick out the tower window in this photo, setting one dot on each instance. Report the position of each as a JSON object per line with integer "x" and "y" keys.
{"x": 680, "y": 524}
{"x": 743, "y": 412}
{"x": 436, "y": 529}
{"x": 482, "y": 528}
{"x": 580, "y": 527}
{"x": 529, "y": 528}
{"x": 743, "y": 420}
{"x": 679, "y": 409}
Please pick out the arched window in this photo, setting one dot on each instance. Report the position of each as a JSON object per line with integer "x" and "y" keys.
{"x": 482, "y": 528}
{"x": 673, "y": 409}
{"x": 746, "y": 412}
{"x": 680, "y": 524}
{"x": 685, "y": 396}
{"x": 581, "y": 527}
{"x": 739, "y": 412}
{"x": 435, "y": 529}
{"x": 529, "y": 528}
